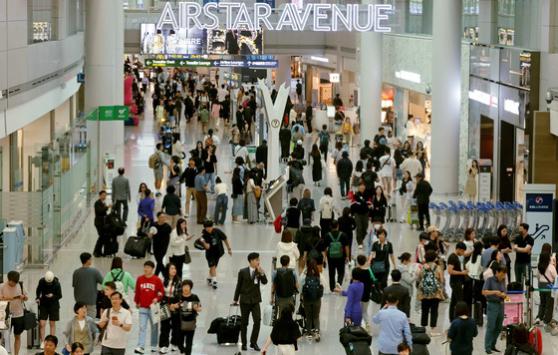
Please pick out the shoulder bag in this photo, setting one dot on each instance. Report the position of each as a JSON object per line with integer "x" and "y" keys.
{"x": 29, "y": 317}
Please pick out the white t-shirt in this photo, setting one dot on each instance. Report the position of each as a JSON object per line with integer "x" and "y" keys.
{"x": 386, "y": 166}
{"x": 222, "y": 94}
{"x": 221, "y": 188}
{"x": 115, "y": 337}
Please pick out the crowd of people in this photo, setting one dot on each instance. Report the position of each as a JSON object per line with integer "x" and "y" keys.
{"x": 345, "y": 233}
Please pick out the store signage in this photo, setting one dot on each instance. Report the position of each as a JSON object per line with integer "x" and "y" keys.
{"x": 209, "y": 63}
{"x": 539, "y": 213}
{"x": 313, "y": 17}
{"x": 483, "y": 98}
{"x": 109, "y": 113}
{"x": 408, "y": 76}
{"x": 334, "y": 78}
{"x": 319, "y": 59}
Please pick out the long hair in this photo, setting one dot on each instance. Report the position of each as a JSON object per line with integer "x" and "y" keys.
{"x": 544, "y": 258}
{"x": 477, "y": 251}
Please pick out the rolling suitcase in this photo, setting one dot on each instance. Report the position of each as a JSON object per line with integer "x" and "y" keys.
{"x": 137, "y": 246}
{"x": 229, "y": 330}
{"x": 355, "y": 340}
{"x": 33, "y": 341}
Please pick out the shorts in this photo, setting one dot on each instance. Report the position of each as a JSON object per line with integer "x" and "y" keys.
{"x": 49, "y": 313}
{"x": 18, "y": 325}
{"x": 212, "y": 261}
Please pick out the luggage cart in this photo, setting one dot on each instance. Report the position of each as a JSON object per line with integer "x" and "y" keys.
{"x": 446, "y": 213}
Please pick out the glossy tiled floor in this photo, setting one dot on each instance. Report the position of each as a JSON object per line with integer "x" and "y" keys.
{"x": 244, "y": 239}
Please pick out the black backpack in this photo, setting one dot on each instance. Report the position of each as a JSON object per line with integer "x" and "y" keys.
{"x": 312, "y": 289}
{"x": 285, "y": 283}
{"x": 314, "y": 253}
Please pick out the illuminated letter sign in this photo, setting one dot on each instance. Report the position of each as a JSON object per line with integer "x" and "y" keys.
{"x": 237, "y": 16}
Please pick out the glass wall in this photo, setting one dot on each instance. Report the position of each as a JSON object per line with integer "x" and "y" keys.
{"x": 75, "y": 16}
{"x": 42, "y": 18}
{"x": 518, "y": 23}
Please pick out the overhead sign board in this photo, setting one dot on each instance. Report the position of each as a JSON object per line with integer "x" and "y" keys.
{"x": 310, "y": 17}
{"x": 109, "y": 113}
{"x": 334, "y": 78}
{"x": 210, "y": 63}
{"x": 539, "y": 213}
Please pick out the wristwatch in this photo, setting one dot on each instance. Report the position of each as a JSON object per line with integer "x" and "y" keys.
{"x": 121, "y": 325}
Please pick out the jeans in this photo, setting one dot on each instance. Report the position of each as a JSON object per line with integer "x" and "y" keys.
{"x": 245, "y": 310}
{"x": 521, "y": 272}
{"x": 456, "y": 296}
{"x": 312, "y": 310}
{"x": 361, "y": 221}
{"x": 546, "y": 307}
{"x": 144, "y": 319}
{"x": 344, "y": 186}
{"x": 210, "y": 178}
{"x": 494, "y": 320}
{"x": 118, "y": 205}
{"x": 429, "y": 305}
{"x": 221, "y": 204}
{"x": 423, "y": 212}
{"x": 333, "y": 266}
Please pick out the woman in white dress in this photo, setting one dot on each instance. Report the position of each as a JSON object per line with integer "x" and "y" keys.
{"x": 387, "y": 172}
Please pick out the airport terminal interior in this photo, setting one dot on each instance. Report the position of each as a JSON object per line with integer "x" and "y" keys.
{"x": 403, "y": 155}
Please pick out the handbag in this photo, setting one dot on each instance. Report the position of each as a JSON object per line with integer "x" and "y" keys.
{"x": 379, "y": 266}
{"x": 376, "y": 294}
{"x": 187, "y": 325}
{"x": 198, "y": 244}
{"x": 164, "y": 312}
{"x": 29, "y": 317}
{"x": 187, "y": 257}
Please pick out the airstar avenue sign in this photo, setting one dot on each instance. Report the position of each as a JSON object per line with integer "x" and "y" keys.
{"x": 311, "y": 17}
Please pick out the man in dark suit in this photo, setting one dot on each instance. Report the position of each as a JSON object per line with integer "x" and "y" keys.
{"x": 247, "y": 292}
{"x": 400, "y": 292}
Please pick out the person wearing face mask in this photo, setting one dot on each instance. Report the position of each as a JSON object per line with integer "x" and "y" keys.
{"x": 458, "y": 273}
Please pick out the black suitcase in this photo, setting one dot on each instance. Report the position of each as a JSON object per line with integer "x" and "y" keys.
{"x": 477, "y": 313}
{"x": 229, "y": 330}
{"x": 136, "y": 246}
{"x": 358, "y": 348}
{"x": 420, "y": 349}
{"x": 355, "y": 340}
{"x": 33, "y": 341}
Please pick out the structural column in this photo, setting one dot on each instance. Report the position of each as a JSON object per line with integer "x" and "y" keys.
{"x": 446, "y": 95}
{"x": 104, "y": 84}
{"x": 283, "y": 72}
{"x": 370, "y": 82}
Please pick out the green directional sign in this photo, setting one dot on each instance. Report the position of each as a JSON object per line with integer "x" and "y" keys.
{"x": 109, "y": 113}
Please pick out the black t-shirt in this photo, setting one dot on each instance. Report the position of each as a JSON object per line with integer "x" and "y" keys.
{"x": 215, "y": 240}
{"x": 343, "y": 239}
{"x": 293, "y": 217}
{"x": 209, "y": 164}
{"x": 315, "y": 243}
{"x": 161, "y": 238}
{"x": 521, "y": 242}
{"x": 454, "y": 260}
{"x": 366, "y": 279}
{"x": 382, "y": 253}
{"x": 187, "y": 311}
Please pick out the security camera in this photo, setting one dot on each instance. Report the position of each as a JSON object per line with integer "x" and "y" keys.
{"x": 428, "y": 89}
{"x": 549, "y": 97}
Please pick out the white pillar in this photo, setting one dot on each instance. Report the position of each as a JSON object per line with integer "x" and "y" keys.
{"x": 283, "y": 71}
{"x": 446, "y": 95}
{"x": 370, "y": 82}
{"x": 104, "y": 85}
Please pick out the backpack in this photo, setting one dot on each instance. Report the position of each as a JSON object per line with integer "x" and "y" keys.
{"x": 118, "y": 281}
{"x": 312, "y": 289}
{"x": 154, "y": 161}
{"x": 346, "y": 128}
{"x": 429, "y": 283}
{"x": 314, "y": 253}
{"x": 324, "y": 139}
{"x": 284, "y": 283}
{"x": 335, "y": 250}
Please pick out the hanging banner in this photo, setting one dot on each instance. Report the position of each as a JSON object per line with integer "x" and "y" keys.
{"x": 539, "y": 213}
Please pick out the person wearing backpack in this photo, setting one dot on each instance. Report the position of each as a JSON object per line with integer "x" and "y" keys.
{"x": 284, "y": 286}
{"x": 315, "y": 249}
{"x": 430, "y": 281}
{"x": 323, "y": 141}
{"x": 337, "y": 252}
{"x": 312, "y": 284}
{"x": 302, "y": 238}
{"x": 123, "y": 280}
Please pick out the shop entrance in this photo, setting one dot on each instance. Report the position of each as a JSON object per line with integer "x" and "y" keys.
{"x": 487, "y": 138}
{"x": 507, "y": 161}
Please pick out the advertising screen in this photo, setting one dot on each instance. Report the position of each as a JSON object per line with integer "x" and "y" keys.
{"x": 198, "y": 41}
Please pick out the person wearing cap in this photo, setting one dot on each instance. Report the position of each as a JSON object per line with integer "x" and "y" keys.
{"x": 422, "y": 193}
{"x": 344, "y": 173}
{"x": 458, "y": 273}
{"x": 212, "y": 240}
{"x": 48, "y": 295}
{"x": 298, "y": 151}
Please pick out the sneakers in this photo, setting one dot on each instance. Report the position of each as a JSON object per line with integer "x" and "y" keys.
{"x": 139, "y": 350}
{"x": 42, "y": 346}
{"x": 173, "y": 348}
{"x": 316, "y": 335}
{"x": 214, "y": 285}
{"x": 209, "y": 282}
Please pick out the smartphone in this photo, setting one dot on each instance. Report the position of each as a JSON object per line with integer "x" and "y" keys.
{"x": 114, "y": 318}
